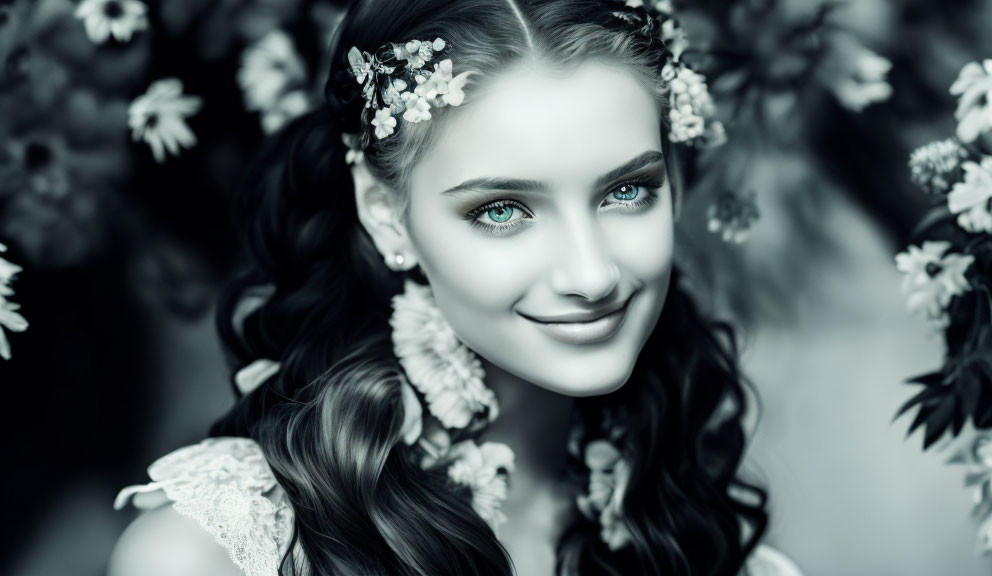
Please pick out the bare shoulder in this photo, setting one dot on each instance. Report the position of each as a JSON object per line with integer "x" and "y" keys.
{"x": 162, "y": 542}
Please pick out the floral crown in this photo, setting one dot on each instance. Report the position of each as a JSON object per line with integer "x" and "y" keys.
{"x": 397, "y": 81}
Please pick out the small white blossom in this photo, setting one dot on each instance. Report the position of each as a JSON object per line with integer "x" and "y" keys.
{"x": 733, "y": 214}
{"x": 456, "y": 86}
{"x": 971, "y": 199}
{"x": 484, "y": 469}
{"x": 973, "y": 88}
{"x": 417, "y": 108}
{"x": 271, "y": 69}
{"x": 609, "y": 475}
{"x": 855, "y": 75}
{"x": 10, "y": 318}
{"x": 933, "y": 278}
{"x": 384, "y": 123}
{"x": 441, "y": 367}
{"x": 415, "y": 52}
{"x": 935, "y": 166}
{"x": 159, "y": 117}
{"x": 255, "y": 374}
{"x": 289, "y": 106}
{"x": 413, "y": 414}
{"x": 120, "y": 18}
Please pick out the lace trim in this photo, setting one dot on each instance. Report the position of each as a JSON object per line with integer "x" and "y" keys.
{"x": 226, "y": 485}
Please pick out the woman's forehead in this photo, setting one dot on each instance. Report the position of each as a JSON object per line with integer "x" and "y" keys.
{"x": 563, "y": 128}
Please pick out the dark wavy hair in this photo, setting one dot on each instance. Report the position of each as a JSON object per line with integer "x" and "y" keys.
{"x": 329, "y": 422}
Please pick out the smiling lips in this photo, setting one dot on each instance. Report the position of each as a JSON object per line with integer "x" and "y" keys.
{"x": 582, "y": 328}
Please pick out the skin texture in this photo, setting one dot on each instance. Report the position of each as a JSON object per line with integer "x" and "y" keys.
{"x": 573, "y": 247}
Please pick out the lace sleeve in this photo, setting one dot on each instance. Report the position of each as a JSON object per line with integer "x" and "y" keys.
{"x": 767, "y": 561}
{"x": 225, "y": 485}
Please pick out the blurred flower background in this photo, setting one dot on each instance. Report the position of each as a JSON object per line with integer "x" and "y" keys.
{"x": 125, "y": 126}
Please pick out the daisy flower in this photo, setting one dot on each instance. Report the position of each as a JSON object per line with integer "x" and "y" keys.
{"x": 442, "y": 368}
{"x": 971, "y": 199}
{"x": 973, "y": 88}
{"x": 933, "y": 277}
{"x": 484, "y": 469}
{"x": 10, "y": 318}
{"x": 120, "y": 18}
{"x": 159, "y": 117}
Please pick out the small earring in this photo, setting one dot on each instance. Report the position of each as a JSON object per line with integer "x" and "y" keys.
{"x": 398, "y": 259}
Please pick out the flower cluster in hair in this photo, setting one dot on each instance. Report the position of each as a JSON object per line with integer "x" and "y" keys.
{"x": 692, "y": 116}
{"x": 404, "y": 80}
{"x": 948, "y": 277}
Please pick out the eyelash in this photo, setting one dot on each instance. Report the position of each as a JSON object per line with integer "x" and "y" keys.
{"x": 650, "y": 186}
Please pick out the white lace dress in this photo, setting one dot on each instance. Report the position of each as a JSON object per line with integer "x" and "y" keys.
{"x": 226, "y": 486}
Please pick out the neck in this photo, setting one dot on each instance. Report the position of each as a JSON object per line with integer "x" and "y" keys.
{"x": 533, "y": 422}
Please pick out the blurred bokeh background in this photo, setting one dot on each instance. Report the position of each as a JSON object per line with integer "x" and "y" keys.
{"x": 124, "y": 249}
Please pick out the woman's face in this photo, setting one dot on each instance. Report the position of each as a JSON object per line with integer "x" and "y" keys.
{"x": 545, "y": 202}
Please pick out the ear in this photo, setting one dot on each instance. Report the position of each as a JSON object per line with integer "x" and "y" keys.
{"x": 379, "y": 211}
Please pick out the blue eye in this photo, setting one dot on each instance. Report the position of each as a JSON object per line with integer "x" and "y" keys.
{"x": 633, "y": 195}
{"x": 498, "y": 218}
{"x": 500, "y": 213}
{"x": 626, "y": 192}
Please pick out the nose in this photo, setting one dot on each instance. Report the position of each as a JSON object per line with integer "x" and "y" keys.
{"x": 584, "y": 265}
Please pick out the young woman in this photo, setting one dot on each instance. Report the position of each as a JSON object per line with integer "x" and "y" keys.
{"x": 462, "y": 346}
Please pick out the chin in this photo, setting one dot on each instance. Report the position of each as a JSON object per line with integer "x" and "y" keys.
{"x": 587, "y": 384}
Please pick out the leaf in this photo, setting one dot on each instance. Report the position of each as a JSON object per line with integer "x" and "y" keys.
{"x": 958, "y": 416}
{"x": 938, "y": 421}
{"x": 921, "y": 417}
{"x": 931, "y": 379}
{"x": 922, "y": 398}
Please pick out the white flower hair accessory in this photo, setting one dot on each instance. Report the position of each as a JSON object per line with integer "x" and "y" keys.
{"x": 441, "y": 367}
{"x": 609, "y": 474}
{"x": 404, "y": 81}
{"x": 485, "y": 469}
{"x": 692, "y": 116}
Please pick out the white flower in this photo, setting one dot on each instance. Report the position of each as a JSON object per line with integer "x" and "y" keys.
{"x": 933, "y": 278}
{"x": 484, "y": 469}
{"x": 253, "y": 375}
{"x": 974, "y": 89}
{"x": 444, "y": 370}
{"x": 685, "y": 126}
{"x": 855, "y": 75}
{"x": 692, "y": 108}
{"x": 934, "y": 166}
{"x": 120, "y": 18}
{"x": 417, "y": 108}
{"x": 413, "y": 414}
{"x": 416, "y": 52}
{"x": 609, "y": 475}
{"x": 9, "y": 317}
{"x": 733, "y": 215}
{"x": 456, "y": 94}
{"x": 971, "y": 199}
{"x": 269, "y": 68}
{"x": 158, "y": 116}
{"x": 384, "y": 123}
{"x": 289, "y": 106}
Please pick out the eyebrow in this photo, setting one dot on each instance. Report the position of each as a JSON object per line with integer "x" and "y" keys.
{"x": 518, "y": 185}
